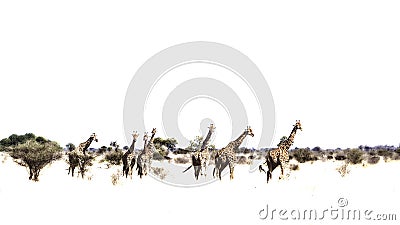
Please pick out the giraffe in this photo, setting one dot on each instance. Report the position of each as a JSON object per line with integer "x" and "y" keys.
{"x": 128, "y": 159}
{"x": 75, "y": 156}
{"x": 144, "y": 158}
{"x": 201, "y": 157}
{"x": 280, "y": 156}
{"x": 226, "y": 156}
{"x": 139, "y": 164}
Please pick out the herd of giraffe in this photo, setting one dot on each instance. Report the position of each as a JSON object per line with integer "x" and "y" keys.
{"x": 200, "y": 158}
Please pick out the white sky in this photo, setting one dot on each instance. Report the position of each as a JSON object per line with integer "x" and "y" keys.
{"x": 65, "y": 66}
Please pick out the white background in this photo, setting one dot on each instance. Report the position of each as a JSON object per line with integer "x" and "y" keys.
{"x": 65, "y": 66}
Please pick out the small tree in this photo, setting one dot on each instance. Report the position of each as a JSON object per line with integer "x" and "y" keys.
{"x": 36, "y": 155}
{"x": 85, "y": 161}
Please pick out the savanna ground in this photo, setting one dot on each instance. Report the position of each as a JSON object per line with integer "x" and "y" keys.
{"x": 105, "y": 197}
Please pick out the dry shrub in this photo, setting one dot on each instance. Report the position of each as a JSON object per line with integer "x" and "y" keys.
{"x": 115, "y": 177}
{"x": 242, "y": 160}
{"x": 373, "y": 159}
{"x": 181, "y": 160}
{"x": 294, "y": 167}
{"x": 303, "y": 155}
{"x": 114, "y": 157}
{"x": 355, "y": 156}
{"x": 343, "y": 169}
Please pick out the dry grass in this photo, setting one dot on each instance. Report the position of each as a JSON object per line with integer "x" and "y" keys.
{"x": 159, "y": 172}
{"x": 182, "y": 160}
{"x": 343, "y": 169}
{"x": 115, "y": 177}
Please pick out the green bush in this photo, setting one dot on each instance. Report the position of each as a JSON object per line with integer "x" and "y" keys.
{"x": 114, "y": 157}
{"x": 355, "y": 156}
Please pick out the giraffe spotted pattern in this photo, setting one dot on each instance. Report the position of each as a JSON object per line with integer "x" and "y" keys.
{"x": 226, "y": 156}
{"x": 280, "y": 156}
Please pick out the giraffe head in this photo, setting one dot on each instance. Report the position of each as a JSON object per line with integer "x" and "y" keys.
{"x": 211, "y": 127}
{"x": 298, "y": 125}
{"x": 135, "y": 135}
{"x": 154, "y": 131}
{"x": 94, "y": 137}
{"x": 249, "y": 131}
{"x": 145, "y": 136}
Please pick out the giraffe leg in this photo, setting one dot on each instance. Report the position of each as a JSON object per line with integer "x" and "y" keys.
{"x": 216, "y": 168}
{"x": 282, "y": 171}
{"x": 261, "y": 169}
{"x": 231, "y": 169}
{"x": 196, "y": 172}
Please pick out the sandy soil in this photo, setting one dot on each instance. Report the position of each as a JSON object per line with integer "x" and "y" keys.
{"x": 60, "y": 199}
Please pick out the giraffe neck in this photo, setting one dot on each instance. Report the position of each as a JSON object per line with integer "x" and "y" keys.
{"x": 132, "y": 148}
{"x": 205, "y": 142}
{"x": 289, "y": 142}
{"x": 236, "y": 143}
{"x": 85, "y": 145}
{"x": 151, "y": 139}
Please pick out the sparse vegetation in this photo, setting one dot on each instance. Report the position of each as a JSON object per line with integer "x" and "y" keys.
{"x": 159, "y": 172}
{"x": 115, "y": 177}
{"x": 385, "y": 153}
{"x": 114, "y": 157}
{"x": 343, "y": 169}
